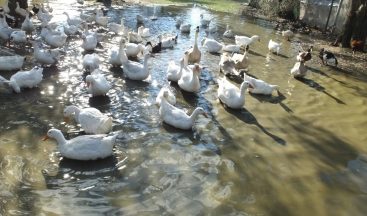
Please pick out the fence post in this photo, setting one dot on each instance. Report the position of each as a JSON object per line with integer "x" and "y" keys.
{"x": 328, "y": 17}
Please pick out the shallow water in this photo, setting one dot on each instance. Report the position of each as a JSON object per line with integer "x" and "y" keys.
{"x": 301, "y": 152}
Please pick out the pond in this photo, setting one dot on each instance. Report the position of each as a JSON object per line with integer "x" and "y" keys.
{"x": 299, "y": 152}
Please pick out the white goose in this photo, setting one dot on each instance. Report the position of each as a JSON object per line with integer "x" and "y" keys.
{"x": 177, "y": 117}
{"x": 194, "y": 52}
{"x": 171, "y": 98}
{"x": 232, "y": 48}
{"x": 8, "y": 63}
{"x": 204, "y": 21}
{"x": 45, "y": 56}
{"x": 245, "y": 41}
{"x": 274, "y": 46}
{"x": 134, "y": 37}
{"x": 70, "y": 30}
{"x": 228, "y": 33}
{"x": 117, "y": 28}
{"x": 100, "y": 18}
{"x": 135, "y": 70}
{"x": 167, "y": 42}
{"x": 90, "y": 119}
{"x": 97, "y": 84}
{"x": 231, "y": 95}
{"x": 185, "y": 28}
{"x": 189, "y": 80}
{"x": 54, "y": 38}
{"x": 86, "y": 17}
{"x": 241, "y": 61}
{"x": 75, "y": 21}
{"x": 143, "y": 32}
{"x": 212, "y": 45}
{"x": 258, "y": 86}
{"x": 86, "y": 147}
{"x": 91, "y": 62}
{"x": 174, "y": 71}
{"x": 5, "y": 30}
{"x": 299, "y": 70}
{"x": 118, "y": 56}
{"x": 26, "y": 79}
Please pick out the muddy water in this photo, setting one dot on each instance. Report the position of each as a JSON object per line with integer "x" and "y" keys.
{"x": 300, "y": 152}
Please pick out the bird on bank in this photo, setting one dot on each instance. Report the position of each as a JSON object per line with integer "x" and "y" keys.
{"x": 304, "y": 56}
{"x": 328, "y": 58}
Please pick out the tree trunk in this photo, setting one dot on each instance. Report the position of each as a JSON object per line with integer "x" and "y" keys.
{"x": 355, "y": 25}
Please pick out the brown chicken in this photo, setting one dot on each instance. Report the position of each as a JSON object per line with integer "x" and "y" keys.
{"x": 357, "y": 45}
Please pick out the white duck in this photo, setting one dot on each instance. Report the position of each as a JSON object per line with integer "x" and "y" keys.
{"x": 45, "y": 56}
{"x": 143, "y": 32}
{"x": 5, "y": 30}
{"x": 167, "y": 42}
{"x": 228, "y": 33}
{"x": 75, "y": 21}
{"x": 117, "y": 28}
{"x": 246, "y": 41}
{"x": 8, "y": 63}
{"x": 86, "y": 17}
{"x": 133, "y": 49}
{"x": 135, "y": 70}
{"x": 20, "y": 11}
{"x": 287, "y": 34}
{"x": 86, "y": 147}
{"x": 204, "y": 21}
{"x": 90, "y": 40}
{"x": 258, "y": 86}
{"x": 171, "y": 98}
{"x": 299, "y": 70}
{"x": 27, "y": 25}
{"x": 70, "y": 30}
{"x": 97, "y": 84}
{"x": 232, "y": 48}
{"x": 194, "y": 52}
{"x": 134, "y": 37}
{"x": 54, "y": 38}
{"x": 90, "y": 119}
{"x": 118, "y": 56}
{"x": 174, "y": 71}
{"x": 101, "y": 19}
{"x": 227, "y": 65}
{"x": 241, "y": 61}
{"x": 189, "y": 80}
{"x": 177, "y": 117}
{"x": 185, "y": 28}
{"x": 274, "y": 46}
{"x": 231, "y": 95}
{"x": 91, "y": 62}
{"x": 18, "y": 36}
{"x": 26, "y": 79}
{"x": 212, "y": 45}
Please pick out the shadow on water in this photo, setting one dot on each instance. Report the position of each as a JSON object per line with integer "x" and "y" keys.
{"x": 247, "y": 117}
{"x": 273, "y": 99}
{"x": 314, "y": 70}
{"x": 319, "y": 87}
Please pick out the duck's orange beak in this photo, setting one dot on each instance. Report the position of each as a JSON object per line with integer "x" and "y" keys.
{"x": 45, "y": 138}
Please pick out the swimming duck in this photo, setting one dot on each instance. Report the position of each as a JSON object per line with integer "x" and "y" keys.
{"x": 299, "y": 70}
{"x": 204, "y": 21}
{"x": 156, "y": 48}
{"x": 90, "y": 119}
{"x": 177, "y": 117}
{"x": 171, "y": 98}
{"x": 287, "y": 34}
{"x": 26, "y": 79}
{"x": 258, "y": 86}
{"x": 228, "y": 33}
{"x": 135, "y": 70}
{"x": 139, "y": 19}
{"x": 232, "y": 48}
{"x": 91, "y": 62}
{"x": 133, "y": 50}
{"x": 246, "y": 41}
{"x": 328, "y": 58}
{"x": 212, "y": 45}
{"x": 241, "y": 61}
{"x": 118, "y": 56}
{"x": 274, "y": 46}
{"x": 143, "y": 32}
{"x": 8, "y": 63}
{"x": 227, "y": 64}
{"x": 45, "y": 56}
{"x": 97, "y": 84}
{"x": 174, "y": 71}
{"x": 85, "y": 147}
{"x": 167, "y": 42}
{"x": 189, "y": 80}
{"x": 185, "y": 28}
{"x": 134, "y": 37}
{"x": 194, "y": 52}
{"x": 231, "y": 95}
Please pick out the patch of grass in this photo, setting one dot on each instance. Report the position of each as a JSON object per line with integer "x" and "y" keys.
{"x": 230, "y": 6}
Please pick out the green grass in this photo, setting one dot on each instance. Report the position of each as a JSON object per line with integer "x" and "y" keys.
{"x": 230, "y": 6}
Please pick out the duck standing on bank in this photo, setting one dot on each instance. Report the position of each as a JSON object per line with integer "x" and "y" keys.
{"x": 328, "y": 58}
